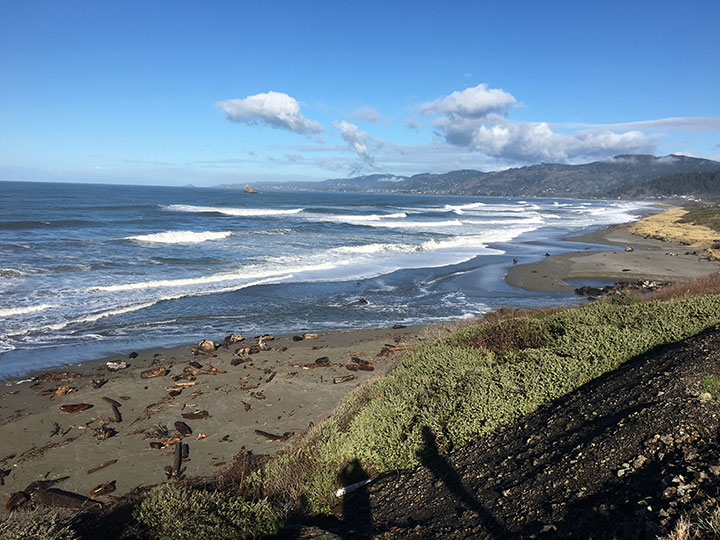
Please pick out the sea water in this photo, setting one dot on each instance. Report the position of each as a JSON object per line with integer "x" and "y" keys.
{"x": 88, "y": 270}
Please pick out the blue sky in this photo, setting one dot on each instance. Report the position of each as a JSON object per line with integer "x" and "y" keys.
{"x": 214, "y": 92}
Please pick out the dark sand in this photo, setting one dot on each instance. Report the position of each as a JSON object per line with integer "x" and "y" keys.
{"x": 650, "y": 259}
{"x": 39, "y": 441}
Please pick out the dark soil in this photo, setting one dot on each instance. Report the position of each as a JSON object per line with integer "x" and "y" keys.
{"x": 622, "y": 457}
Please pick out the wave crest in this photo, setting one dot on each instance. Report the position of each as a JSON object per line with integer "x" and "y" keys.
{"x": 237, "y": 212}
{"x": 179, "y": 237}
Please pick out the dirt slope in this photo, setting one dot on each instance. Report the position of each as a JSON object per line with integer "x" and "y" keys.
{"x": 622, "y": 457}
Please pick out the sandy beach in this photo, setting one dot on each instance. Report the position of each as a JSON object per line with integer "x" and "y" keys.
{"x": 648, "y": 259}
{"x": 278, "y": 391}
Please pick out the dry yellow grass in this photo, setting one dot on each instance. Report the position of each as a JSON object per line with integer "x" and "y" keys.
{"x": 666, "y": 226}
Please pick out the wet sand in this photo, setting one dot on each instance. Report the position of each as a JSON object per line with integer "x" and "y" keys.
{"x": 276, "y": 391}
{"x": 649, "y": 259}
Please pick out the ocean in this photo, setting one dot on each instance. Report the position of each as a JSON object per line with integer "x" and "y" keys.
{"x": 88, "y": 270}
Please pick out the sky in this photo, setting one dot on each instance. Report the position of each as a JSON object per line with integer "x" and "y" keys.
{"x": 206, "y": 93}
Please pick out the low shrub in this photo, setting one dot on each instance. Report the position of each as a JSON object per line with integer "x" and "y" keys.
{"x": 183, "y": 513}
{"x": 38, "y": 524}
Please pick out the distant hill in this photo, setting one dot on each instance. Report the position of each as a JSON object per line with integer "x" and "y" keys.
{"x": 599, "y": 179}
{"x": 702, "y": 185}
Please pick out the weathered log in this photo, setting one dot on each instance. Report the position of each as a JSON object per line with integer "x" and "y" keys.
{"x": 100, "y": 467}
{"x": 177, "y": 464}
{"x": 17, "y": 499}
{"x": 116, "y": 414}
{"x": 156, "y": 372}
{"x": 111, "y": 401}
{"x": 271, "y": 437}
{"x": 359, "y": 367}
{"x": 97, "y": 383}
{"x": 63, "y": 499}
{"x": 75, "y": 407}
{"x": 197, "y": 415}
{"x": 183, "y": 428}
{"x": 103, "y": 489}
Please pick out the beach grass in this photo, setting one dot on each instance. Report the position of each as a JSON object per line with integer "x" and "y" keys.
{"x": 696, "y": 226}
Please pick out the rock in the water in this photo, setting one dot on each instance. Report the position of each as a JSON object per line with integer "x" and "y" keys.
{"x": 250, "y": 189}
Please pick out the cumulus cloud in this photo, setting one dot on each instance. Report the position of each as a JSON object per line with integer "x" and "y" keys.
{"x": 360, "y": 142}
{"x": 368, "y": 114}
{"x": 274, "y": 109}
{"x": 412, "y": 123}
{"x": 475, "y": 119}
{"x": 531, "y": 141}
{"x": 475, "y": 102}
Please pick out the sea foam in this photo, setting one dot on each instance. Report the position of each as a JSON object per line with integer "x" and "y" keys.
{"x": 24, "y": 310}
{"x": 238, "y": 212}
{"x": 179, "y": 237}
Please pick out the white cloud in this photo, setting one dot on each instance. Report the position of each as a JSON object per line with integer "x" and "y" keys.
{"x": 360, "y": 142}
{"x": 475, "y": 119}
{"x": 691, "y": 123}
{"x": 532, "y": 141}
{"x": 412, "y": 123}
{"x": 475, "y": 102}
{"x": 368, "y": 114}
{"x": 273, "y": 109}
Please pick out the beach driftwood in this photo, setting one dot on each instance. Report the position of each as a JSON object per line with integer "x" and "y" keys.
{"x": 102, "y": 489}
{"x": 63, "y": 499}
{"x": 177, "y": 464}
{"x": 17, "y": 499}
{"x": 183, "y": 428}
{"x": 116, "y": 414}
{"x": 359, "y": 367}
{"x": 111, "y": 401}
{"x": 271, "y": 437}
{"x": 97, "y": 383}
{"x": 75, "y": 407}
{"x": 197, "y": 415}
{"x": 156, "y": 372}
{"x": 387, "y": 349}
{"x": 102, "y": 466}
{"x": 346, "y": 378}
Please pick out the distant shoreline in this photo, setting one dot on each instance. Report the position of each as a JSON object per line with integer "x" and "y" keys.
{"x": 637, "y": 258}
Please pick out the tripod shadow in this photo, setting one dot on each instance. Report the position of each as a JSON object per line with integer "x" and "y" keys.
{"x": 441, "y": 469}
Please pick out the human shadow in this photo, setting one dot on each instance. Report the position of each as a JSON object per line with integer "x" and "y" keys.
{"x": 441, "y": 469}
{"x": 356, "y": 509}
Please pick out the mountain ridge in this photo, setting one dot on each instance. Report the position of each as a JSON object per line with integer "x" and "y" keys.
{"x": 598, "y": 179}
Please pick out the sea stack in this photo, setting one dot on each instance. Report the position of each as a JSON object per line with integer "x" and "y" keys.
{"x": 250, "y": 189}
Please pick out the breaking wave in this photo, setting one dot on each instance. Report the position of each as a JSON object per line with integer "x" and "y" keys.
{"x": 238, "y": 212}
{"x": 179, "y": 237}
